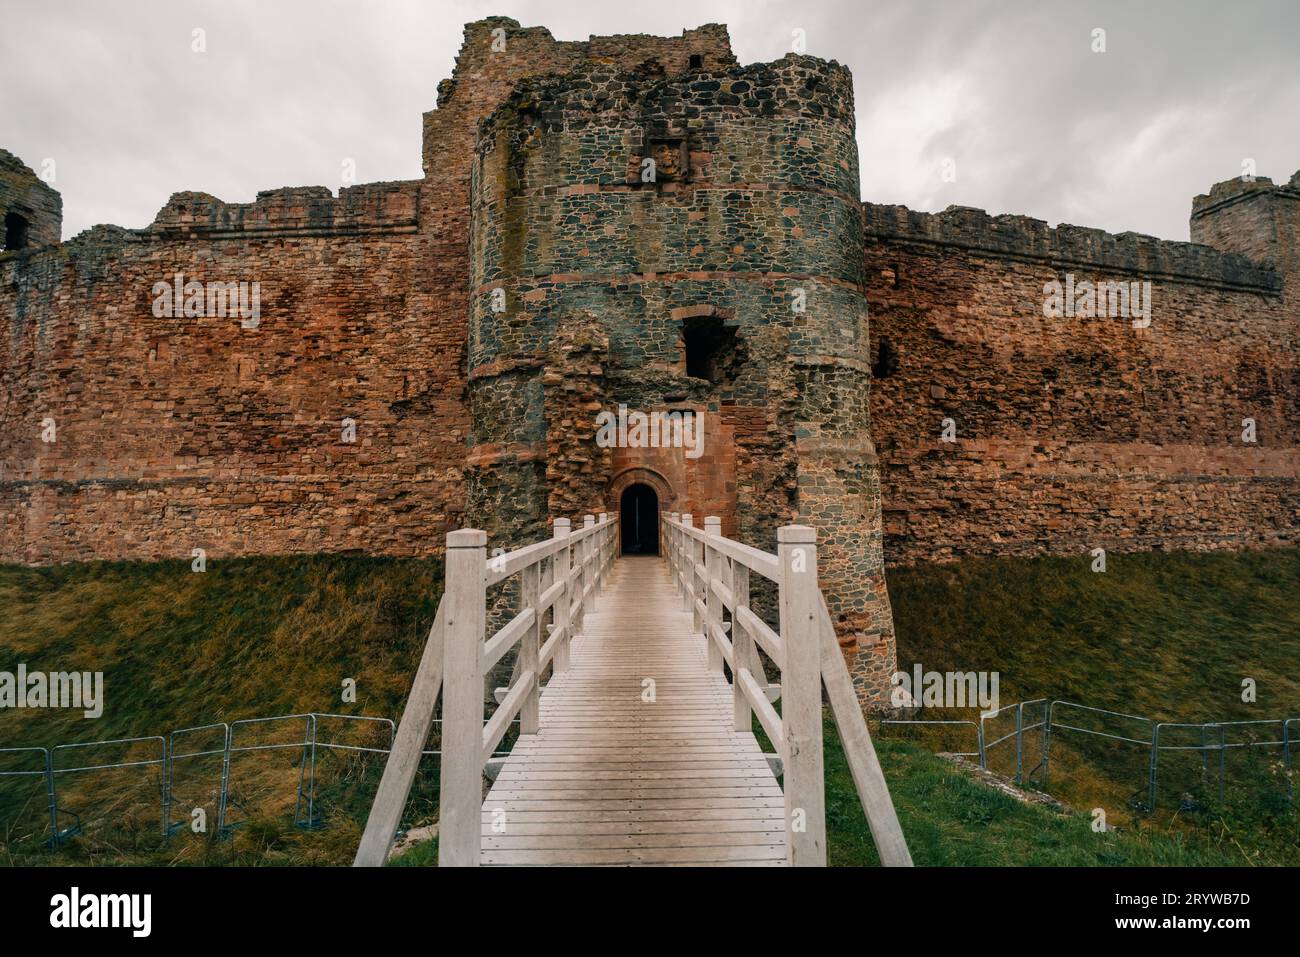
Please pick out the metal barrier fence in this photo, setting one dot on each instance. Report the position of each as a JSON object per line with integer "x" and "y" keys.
{"x": 1039, "y": 721}
{"x": 175, "y": 749}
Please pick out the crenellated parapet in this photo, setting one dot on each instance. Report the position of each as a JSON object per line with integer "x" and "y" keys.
{"x": 973, "y": 231}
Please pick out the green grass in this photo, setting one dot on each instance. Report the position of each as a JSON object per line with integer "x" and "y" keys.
{"x": 951, "y": 819}
{"x": 247, "y": 638}
{"x": 1168, "y": 635}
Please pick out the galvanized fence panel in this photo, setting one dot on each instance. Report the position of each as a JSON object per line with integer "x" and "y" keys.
{"x": 302, "y": 745}
{"x": 1201, "y": 763}
{"x": 25, "y": 784}
{"x": 130, "y": 746}
{"x": 189, "y": 756}
{"x": 1015, "y": 739}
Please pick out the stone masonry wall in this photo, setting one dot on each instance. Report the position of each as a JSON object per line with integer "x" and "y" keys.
{"x": 1076, "y": 433}
{"x": 752, "y": 207}
{"x": 212, "y": 432}
{"x": 26, "y": 199}
{"x": 181, "y": 433}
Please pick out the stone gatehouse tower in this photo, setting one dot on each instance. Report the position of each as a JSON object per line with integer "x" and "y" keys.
{"x": 687, "y": 243}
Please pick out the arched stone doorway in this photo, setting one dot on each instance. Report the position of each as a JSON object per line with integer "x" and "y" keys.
{"x": 665, "y": 498}
{"x": 639, "y": 520}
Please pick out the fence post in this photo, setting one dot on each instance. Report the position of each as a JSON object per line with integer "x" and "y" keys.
{"x": 1020, "y": 747}
{"x": 461, "y": 790}
{"x": 712, "y": 603}
{"x": 801, "y": 699}
{"x": 530, "y": 591}
{"x": 53, "y": 801}
{"x": 563, "y": 604}
{"x": 224, "y": 801}
{"x": 1155, "y": 757}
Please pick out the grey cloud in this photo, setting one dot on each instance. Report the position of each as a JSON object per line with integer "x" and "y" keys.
{"x": 1035, "y": 122}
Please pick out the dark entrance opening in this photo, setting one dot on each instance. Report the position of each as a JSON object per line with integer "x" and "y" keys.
{"x": 15, "y": 231}
{"x": 639, "y": 527}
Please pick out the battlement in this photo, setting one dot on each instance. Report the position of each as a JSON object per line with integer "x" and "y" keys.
{"x": 304, "y": 209}
{"x": 1025, "y": 238}
{"x": 795, "y": 86}
{"x": 1238, "y": 190}
{"x": 534, "y": 50}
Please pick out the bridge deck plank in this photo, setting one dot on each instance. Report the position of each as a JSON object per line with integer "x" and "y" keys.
{"x": 614, "y": 779}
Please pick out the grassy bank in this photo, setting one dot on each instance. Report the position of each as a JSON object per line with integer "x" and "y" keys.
{"x": 1166, "y": 635}
{"x": 247, "y": 638}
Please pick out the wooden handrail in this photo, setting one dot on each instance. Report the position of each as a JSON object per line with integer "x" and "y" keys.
{"x": 559, "y": 579}
{"x": 408, "y": 748}
{"x": 712, "y": 574}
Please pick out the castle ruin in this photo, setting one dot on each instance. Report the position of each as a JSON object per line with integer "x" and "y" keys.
{"x": 434, "y": 354}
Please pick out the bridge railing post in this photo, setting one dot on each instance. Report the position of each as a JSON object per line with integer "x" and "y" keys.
{"x": 588, "y": 566}
{"x": 801, "y": 700}
{"x": 530, "y": 644}
{"x": 600, "y": 554}
{"x": 561, "y": 618}
{"x": 712, "y": 603}
{"x": 611, "y": 541}
{"x": 460, "y": 791}
{"x": 743, "y": 652}
{"x": 687, "y": 579}
{"x": 666, "y": 533}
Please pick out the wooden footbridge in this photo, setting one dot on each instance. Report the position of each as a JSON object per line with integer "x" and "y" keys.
{"x": 640, "y": 748}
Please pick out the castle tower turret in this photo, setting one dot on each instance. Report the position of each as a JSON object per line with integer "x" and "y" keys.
{"x": 1255, "y": 218}
{"x": 666, "y": 243}
{"x": 31, "y": 212}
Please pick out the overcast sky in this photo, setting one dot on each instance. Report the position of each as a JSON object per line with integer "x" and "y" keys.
{"x": 1034, "y": 121}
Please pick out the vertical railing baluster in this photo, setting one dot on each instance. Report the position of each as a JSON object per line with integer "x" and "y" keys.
{"x": 530, "y": 591}
{"x": 712, "y": 603}
{"x": 563, "y": 604}
{"x": 688, "y": 568}
{"x": 588, "y": 563}
{"x": 599, "y": 539}
{"x": 742, "y": 648}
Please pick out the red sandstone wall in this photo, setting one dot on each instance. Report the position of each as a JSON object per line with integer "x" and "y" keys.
{"x": 180, "y": 433}
{"x": 1076, "y": 433}
{"x": 175, "y": 434}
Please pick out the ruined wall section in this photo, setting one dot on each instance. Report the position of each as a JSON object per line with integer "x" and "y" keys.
{"x": 31, "y": 211}
{"x": 1075, "y": 433}
{"x": 227, "y": 433}
{"x": 753, "y": 205}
